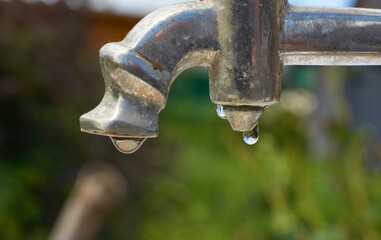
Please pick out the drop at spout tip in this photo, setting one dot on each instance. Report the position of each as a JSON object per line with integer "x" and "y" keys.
{"x": 251, "y": 137}
{"x": 127, "y": 145}
{"x": 220, "y": 111}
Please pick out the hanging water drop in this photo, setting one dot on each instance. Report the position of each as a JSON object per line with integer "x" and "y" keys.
{"x": 127, "y": 145}
{"x": 220, "y": 111}
{"x": 251, "y": 138}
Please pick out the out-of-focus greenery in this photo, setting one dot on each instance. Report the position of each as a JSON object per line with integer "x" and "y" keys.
{"x": 216, "y": 187}
{"x": 198, "y": 180}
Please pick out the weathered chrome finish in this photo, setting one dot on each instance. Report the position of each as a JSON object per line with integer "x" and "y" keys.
{"x": 243, "y": 43}
{"x": 139, "y": 70}
{"x": 331, "y": 36}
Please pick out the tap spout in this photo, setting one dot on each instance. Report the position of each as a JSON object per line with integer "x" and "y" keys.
{"x": 234, "y": 39}
{"x": 139, "y": 70}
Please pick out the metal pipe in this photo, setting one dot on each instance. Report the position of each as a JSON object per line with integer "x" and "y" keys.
{"x": 244, "y": 44}
{"x": 331, "y": 36}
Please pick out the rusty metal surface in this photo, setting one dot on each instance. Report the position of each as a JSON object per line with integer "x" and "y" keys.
{"x": 243, "y": 43}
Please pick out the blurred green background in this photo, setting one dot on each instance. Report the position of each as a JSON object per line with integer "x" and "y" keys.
{"x": 314, "y": 174}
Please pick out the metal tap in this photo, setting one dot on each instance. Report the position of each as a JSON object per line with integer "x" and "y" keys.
{"x": 243, "y": 43}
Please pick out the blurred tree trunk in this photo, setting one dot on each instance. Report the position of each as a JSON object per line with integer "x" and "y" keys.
{"x": 364, "y": 87}
{"x": 348, "y": 96}
{"x": 99, "y": 188}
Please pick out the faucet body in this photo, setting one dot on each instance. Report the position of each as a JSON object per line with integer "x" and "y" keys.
{"x": 243, "y": 43}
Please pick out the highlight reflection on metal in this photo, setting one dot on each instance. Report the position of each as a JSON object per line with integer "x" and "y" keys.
{"x": 243, "y": 43}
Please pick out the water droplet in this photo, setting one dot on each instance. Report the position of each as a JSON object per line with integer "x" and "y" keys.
{"x": 251, "y": 138}
{"x": 127, "y": 145}
{"x": 220, "y": 112}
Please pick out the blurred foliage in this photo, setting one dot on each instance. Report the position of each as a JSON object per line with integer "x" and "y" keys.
{"x": 216, "y": 187}
{"x": 40, "y": 96}
{"x": 198, "y": 180}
